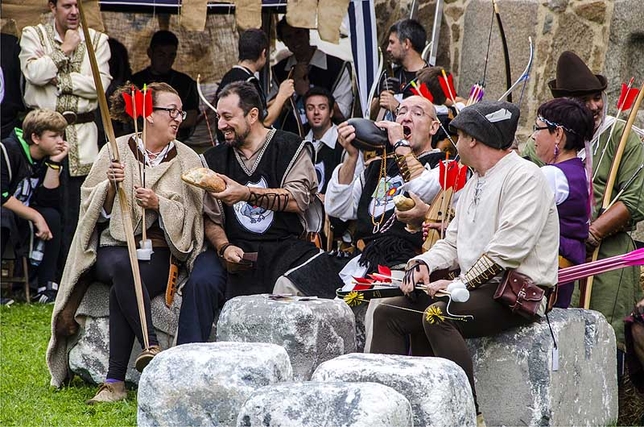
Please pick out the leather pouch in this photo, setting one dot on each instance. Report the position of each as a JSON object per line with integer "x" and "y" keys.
{"x": 518, "y": 292}
{"x": 369, "y": 137}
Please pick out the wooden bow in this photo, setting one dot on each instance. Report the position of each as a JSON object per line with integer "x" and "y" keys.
{"x": 586, "y": 290}
{"x": 123, "y": 203}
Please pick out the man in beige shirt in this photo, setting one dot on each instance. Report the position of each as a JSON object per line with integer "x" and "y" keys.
{"x": 58, "y": 77}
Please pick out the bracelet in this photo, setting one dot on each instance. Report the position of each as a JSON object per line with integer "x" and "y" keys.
{"x": 53, "y": 165}
{"x": 222, "y": 250}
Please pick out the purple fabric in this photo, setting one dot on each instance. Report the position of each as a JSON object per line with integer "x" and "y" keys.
{"x": 573, "y": 222}
{"x": 573, "y": 212}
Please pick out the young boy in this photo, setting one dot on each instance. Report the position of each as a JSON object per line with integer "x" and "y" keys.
{"x": 30, "y": 163}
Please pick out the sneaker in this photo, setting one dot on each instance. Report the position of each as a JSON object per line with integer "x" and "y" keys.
{"x": 109, "y": 392}
{"x": 44, "y": 296}
{"x": 6, "y": 301}
{"x": 145, "y": 357}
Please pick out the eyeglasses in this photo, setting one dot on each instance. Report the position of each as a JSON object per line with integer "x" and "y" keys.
{"x": 536, "y": 128}
{"x": 173, "y": 112}
{"x": 415, "y": 112}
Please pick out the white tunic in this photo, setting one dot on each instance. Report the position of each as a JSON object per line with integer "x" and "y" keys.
{"x": 508, "y": 214}
{"x": 59, "y": 83}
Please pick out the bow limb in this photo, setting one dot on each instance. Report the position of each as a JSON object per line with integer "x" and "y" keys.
{"x": 201, "y": 95}
{"x": 524, "y": 76}
{"x": 506, "y": 53}
{"x": 123, "y": 203}
{"x": 376, "y": 82}
{"x": 586, "y": 290}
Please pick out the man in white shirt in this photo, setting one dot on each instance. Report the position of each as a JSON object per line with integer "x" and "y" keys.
{"x": 308, "y": 67}
{"x": 58, "y": 76}
{"x": 506, "y": 218}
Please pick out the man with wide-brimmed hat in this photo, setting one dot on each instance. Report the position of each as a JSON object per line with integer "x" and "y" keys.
{"x": 613, "y": 293}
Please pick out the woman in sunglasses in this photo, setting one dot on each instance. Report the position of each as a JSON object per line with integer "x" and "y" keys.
{"x": 149, "y": 171}
{"x": 562, "y": 129}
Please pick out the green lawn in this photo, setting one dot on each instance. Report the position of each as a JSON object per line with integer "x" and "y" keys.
{"x": 26, "y": 399}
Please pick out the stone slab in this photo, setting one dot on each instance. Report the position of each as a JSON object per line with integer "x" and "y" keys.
{"x": 207, "y": 383}
{"x": 437, "y": 389}
{"x": 311, "y": 330}
{"x": 89, "y": 355}
{"x": 313, "y": 404}
{"x": 515, "y": 382}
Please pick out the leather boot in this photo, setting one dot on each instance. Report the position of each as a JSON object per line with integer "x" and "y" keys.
{"x": 145, "y": 357}
{"x": 109, "y": 392}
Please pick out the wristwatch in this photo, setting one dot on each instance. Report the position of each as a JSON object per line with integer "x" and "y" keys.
{"x": 401, "y": 143}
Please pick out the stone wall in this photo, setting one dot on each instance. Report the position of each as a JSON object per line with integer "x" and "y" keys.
{"x": 608, "y": 35}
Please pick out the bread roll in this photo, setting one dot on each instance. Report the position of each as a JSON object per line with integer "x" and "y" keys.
{"x": 204, "y": 178}
{"x": 403, "y": 203}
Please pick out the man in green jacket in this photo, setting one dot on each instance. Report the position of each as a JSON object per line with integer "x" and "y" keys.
{"x": 613, "y": 293}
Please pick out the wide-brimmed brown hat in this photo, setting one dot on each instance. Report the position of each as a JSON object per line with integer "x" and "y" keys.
{"x": 574, "y": 78}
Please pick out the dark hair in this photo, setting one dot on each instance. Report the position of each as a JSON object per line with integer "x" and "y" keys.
{"x": 251, "y": 44}
{"x": 164, "y": 38}
{"x": 117, "y": 103}
{"x": 573, "y": 117}
{"x": 410, "y": 29}
{"x": 279, "y": 29}
{"x": 320, "y": 91}
{"x": 429, "y": 76}
{"x": 248, "y": 97}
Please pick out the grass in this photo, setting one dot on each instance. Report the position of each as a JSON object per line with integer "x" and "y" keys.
{"x": 26, "y": 398}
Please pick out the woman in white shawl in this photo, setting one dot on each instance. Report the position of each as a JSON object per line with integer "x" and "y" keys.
{"x": 173, "y": 213}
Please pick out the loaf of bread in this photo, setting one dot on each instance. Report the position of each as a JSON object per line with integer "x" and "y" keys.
{"x": 403, "y": 203}
{"x": 204, "y": 178}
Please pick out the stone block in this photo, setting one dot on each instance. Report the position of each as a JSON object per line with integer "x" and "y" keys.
{"x": 207, "y": 383}
{"x": 437, "y": 389}
{"x": 89, "y": 355}
{"x": 516, "y": 385}
{"x": 311, "y": 330}
{"x": 313, "y": 404}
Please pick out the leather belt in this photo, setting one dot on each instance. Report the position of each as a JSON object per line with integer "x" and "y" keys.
{"x": 79, "y": 118}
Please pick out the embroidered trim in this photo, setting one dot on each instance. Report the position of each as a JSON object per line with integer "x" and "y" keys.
{"x": 483, "y": 270}
{"x": 250, "y": 171}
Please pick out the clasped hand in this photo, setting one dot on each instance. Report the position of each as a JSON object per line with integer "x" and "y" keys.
{"x": 233, "y": 193}
{"x": 418, "y": 274}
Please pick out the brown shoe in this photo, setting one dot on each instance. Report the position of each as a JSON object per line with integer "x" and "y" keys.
{"x": 145, "y": 357}
{"x": 109, "y": 392}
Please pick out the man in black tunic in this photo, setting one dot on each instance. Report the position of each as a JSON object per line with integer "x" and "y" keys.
{"x": 270, "y": 184}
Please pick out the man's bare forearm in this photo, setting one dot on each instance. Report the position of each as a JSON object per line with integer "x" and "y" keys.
{"x": 274, "y": 199}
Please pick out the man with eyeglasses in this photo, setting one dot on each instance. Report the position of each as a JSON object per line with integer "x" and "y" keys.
{"x": 366, "y": 195}
{"x": 162, "y": 53}
{"x": 614, "y": 293}
{"x": 254, "y": 225}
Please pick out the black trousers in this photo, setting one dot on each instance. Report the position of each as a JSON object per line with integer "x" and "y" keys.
{"x": 446, "y": 337}
{"x": 113, "y": 268}
{"x": 46, "y": 271}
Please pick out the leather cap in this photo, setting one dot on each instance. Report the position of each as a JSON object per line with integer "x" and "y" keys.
{"x": 574, "y": 78}
{"x": 369, "y": 137}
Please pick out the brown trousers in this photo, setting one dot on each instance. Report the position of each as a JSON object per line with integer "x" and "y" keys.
{"x": 393, "y": 323}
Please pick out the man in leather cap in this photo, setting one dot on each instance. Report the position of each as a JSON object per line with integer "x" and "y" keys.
{"x": 613, "y": 293}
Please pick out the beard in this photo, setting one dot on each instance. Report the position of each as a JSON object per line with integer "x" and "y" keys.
{"x": 238, "y": 140}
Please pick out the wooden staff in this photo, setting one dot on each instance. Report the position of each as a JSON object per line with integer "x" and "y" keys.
{"x": 586, "y": 290}
{"x": 125, "y": 213}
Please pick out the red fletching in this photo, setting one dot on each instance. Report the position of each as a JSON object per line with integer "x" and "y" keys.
{"x": 447, "y": 86}
{"x": 146, "y": 102}
{"x": 422, "y": 90}
{"x": 448, "y": 173}
{"x": 384, "y": 270}
{"x": 461, "y": 178}
{"x": 362, "y": 280}
{"x": 627, "y": 97}
{"x": 134, "y": 103}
